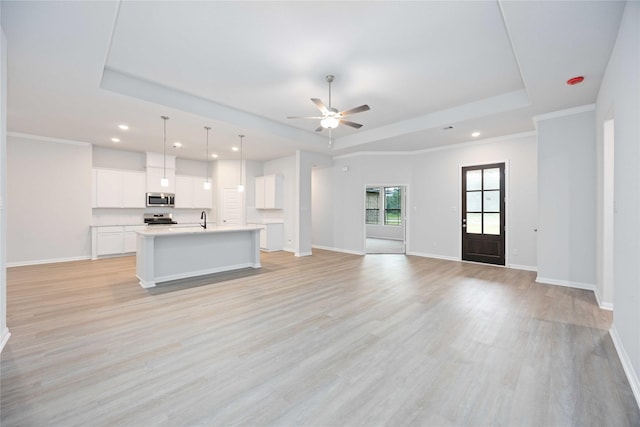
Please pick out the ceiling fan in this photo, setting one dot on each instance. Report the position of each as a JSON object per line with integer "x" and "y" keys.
{"x": 331, "y": 117}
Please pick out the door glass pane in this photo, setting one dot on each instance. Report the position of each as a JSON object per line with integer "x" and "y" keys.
{"x": 474, "y": 223}
{"x": 474, "y": 201}
{"x": 492, "y": 223}
{"x": 474, "y": 180}
{"x": 492, "y": 179}
{"x": 491, "y": 201}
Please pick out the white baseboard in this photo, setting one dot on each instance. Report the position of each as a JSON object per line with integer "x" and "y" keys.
{"x": 603, "y": 305}
{"x": 47, "y": 261}
{"x": 523, "y": 267}
{"x": 567, "y": 283}
{"x": 344, "y": 251}
{"x": 301, "y": 254}
{"x": 577, "y": 285}
{"x": 425, "y": 255}
{"x": 626, "y": 363}
{"x": 4, "y": 338}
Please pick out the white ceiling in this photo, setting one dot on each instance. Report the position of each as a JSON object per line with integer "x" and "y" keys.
{"x": 78, "y": 69}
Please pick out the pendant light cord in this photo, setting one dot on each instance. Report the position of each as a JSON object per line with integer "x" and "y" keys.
{"x": 207, "y": 128}
{"x": 164, "y": 148}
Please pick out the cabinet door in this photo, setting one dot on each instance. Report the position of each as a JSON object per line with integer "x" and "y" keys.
{"x": 130, "y": 237}
{"x": 110, "y": 241}
{"x": 108, "y": 188}
{"x": 134, "y": 189}
{"x": 271, "y": 192}
{"x": 259, "y": 192}
{"x": 184, "y": 191}
{"x": 274, "y": 236}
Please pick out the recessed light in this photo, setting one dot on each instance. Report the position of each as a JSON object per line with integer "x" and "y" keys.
{"x": 123, "y": 127}
{"x": 115, "y": 139}
{"x": 215, "y": 156}
{"x": 475, "y": 134}
{"x": 235, "y": 148}
{"x": 177, "y": 144}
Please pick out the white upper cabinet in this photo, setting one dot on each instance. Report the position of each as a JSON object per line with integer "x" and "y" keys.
{"x": 133, "y": 190}
{"x": 118, "y": 189}
{"x": 268, "y": 194}
{"x": 190, "y": 193}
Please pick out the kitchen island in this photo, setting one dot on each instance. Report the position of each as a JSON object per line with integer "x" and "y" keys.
{"x": 172, "y": 253}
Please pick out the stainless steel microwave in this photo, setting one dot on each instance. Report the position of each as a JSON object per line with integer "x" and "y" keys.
{"x": 161, "y": 199}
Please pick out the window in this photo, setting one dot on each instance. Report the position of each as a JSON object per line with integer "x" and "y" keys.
{"x": 373, "y": 206}
{"x": 388, "y": 199}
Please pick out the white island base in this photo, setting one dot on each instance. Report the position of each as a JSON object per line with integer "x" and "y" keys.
{"x": 172, "y": 253}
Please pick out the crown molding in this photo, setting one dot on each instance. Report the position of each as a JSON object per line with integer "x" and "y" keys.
{"x": 47, "y": 139}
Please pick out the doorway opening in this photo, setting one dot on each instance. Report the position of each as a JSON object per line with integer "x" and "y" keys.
{"x": 385, "y": 219}
{"x": 483, "y": 213}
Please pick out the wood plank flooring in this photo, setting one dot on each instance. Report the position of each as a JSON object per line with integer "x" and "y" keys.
{"x": 327, "y": 340}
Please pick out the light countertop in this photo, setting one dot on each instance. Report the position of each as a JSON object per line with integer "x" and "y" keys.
{"x": 211, "y": 229}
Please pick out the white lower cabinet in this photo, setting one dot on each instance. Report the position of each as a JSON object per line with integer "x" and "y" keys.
{"x": 113, "y": 240}
{"x": 130, "y": 237}
{"x": 271, "y": 236}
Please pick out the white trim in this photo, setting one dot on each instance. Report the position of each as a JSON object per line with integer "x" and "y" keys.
{"x": 4, "y": 338}
{"x": 345, "y": 251}
{"x": 301, "y": 254}
{"x": 563, "y": 113}
{"x": 444, "y": 147}
{"x": 160, "y": 280}
{"x": 601, "y": 304}
{"x": 567, "y": 283}
{"x": 523, "y": 267}
{"x": 47, "y": 261}
{"x": 632, "y": 377}
{"x": 435, "y": 256}
{"x": 47, "y": 139}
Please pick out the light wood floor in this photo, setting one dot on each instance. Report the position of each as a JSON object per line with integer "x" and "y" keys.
{"x": 327, "y": 340}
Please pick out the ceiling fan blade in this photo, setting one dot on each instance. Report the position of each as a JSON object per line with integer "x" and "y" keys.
{"x": 319, "y": 129}
{"x": 323, "y": 108}
{"x": 300, "y": 117}
{"x": 352, "y": 124}
{"x": 359, "y": 109}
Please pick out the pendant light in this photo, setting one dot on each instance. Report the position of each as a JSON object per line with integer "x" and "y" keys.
{"x": 207, "y": 182}
{"x": 164, "y": 182}
{"x": 240, "y": 186}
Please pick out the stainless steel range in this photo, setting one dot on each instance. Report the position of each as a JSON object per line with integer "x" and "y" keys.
{"x": 158, "y": 219}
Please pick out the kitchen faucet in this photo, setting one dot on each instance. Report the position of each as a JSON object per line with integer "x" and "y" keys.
{"x": 203, "y": 215}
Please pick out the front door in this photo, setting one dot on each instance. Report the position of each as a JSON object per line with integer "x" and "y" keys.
{"x": 483, "y": 217}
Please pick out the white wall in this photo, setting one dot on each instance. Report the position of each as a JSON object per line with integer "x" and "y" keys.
{"x": 567, "y": 198}
{"x": 305, "y": 162}
{"x": 118, "y": 159}
{"x": 619, "y": 95}
{"x": 4, "y": 331}
{"x": 48, "y": 200}
{"x": 322, "y": 207}
{"x": 433, "y": 196}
